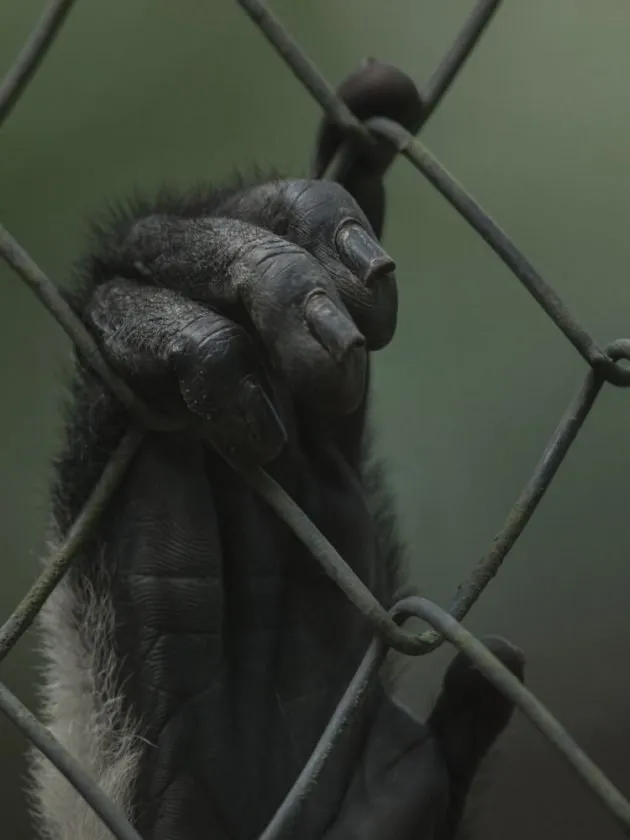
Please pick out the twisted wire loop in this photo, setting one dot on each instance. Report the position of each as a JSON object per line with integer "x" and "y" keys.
{"x": 604, "y": 366}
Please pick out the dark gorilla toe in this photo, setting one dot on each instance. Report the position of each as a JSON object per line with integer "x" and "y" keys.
{"x": 373, "y": 90}
{"x": 468, "y": 717}
{"x": 463, "y": 682}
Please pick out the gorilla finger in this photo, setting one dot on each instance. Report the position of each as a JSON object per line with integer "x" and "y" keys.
{"x": 300, "y": 317}
{"x": 324, "y": 220}
{"x": 331, "y": 226}
{"x": 260, "y": 280}
{"x": 158, "y": 339}
{"x": 224, "y": 386}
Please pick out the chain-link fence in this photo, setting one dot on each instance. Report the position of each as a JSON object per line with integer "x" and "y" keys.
{"x": 605, "y": 365}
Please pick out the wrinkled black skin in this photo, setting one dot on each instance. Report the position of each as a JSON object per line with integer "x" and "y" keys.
{"x": 234, "y": 647}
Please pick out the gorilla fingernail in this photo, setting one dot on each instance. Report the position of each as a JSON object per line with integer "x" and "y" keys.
{"x": 330, "y": 326}
{"x": 362, "y": 254}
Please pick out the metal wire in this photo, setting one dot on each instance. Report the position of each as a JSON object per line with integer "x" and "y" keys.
{"x": 58, "y": 564}
{"x": 603, "y": 367}
{"x": 456, "y": 56}
{"x": 113, "y": 818}
{"x": 32, "y": 54}
{"x": 73, "y": 326}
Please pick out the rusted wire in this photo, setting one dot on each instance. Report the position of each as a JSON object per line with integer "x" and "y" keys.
{"x": 503, "y": 246}
{"x": 603, "y": 364}
{"x": 418, "y": 644}
{"x": 586, "y": 770}
{"x": 32, "y": 54}
{"x": 304, "y": 69}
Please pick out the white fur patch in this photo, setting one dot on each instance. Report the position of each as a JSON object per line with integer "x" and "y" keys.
{"x": 84, "y": 712}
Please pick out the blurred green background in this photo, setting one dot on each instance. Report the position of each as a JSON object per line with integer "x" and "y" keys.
{"x": 136, "y": 92}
